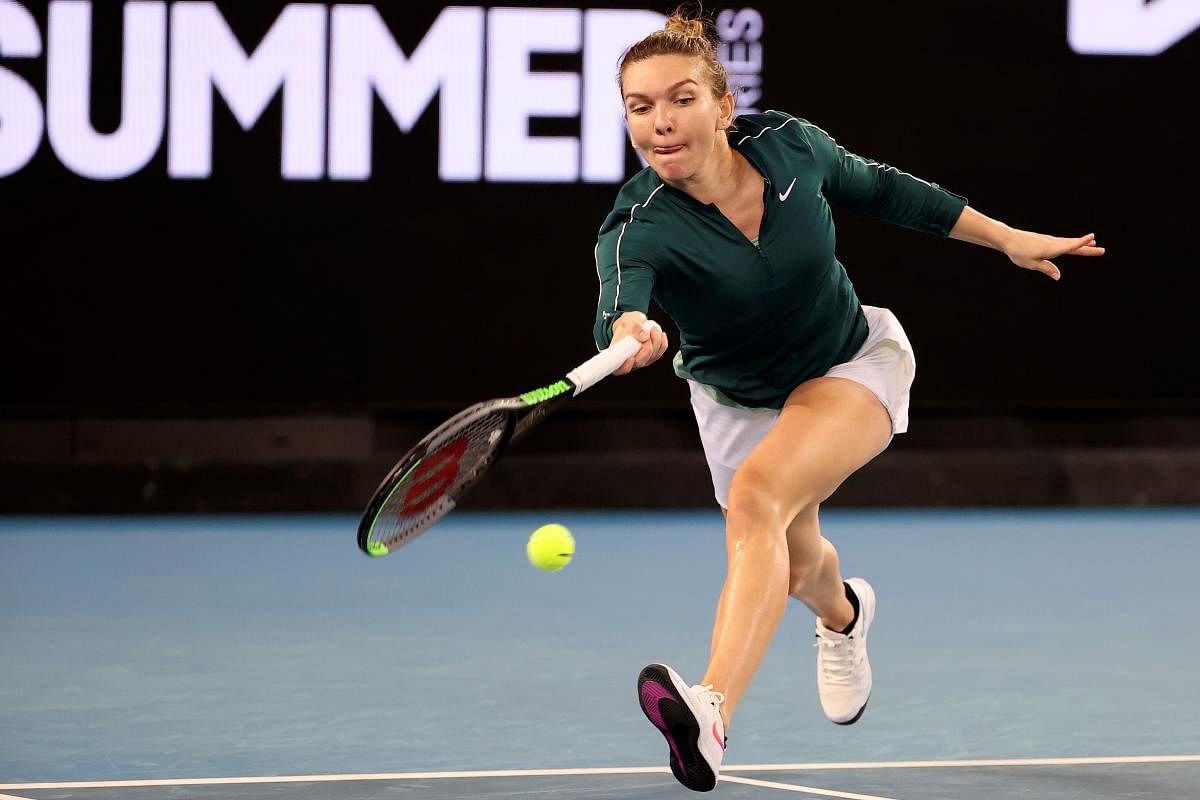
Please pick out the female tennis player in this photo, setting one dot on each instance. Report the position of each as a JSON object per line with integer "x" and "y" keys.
{"x": 795, "y": 385}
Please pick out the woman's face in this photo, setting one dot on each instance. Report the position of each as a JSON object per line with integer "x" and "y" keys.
{"x": 673, "y": 118}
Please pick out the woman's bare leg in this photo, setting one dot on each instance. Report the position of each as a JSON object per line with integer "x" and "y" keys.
{"x": 828, "y": 428}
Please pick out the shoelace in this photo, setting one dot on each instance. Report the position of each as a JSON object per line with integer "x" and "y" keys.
{"x": 705, "y": 694}
{"x": 839, "y": 657}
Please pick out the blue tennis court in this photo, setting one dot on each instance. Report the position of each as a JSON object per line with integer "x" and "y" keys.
{"x": 1045, "y": 654}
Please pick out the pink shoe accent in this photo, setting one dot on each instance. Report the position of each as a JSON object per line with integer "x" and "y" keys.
{"x": 651, "y": 694}
{"x": 717, "y": 735}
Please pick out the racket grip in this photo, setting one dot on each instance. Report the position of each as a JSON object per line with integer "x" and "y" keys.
{"x": 604, "y": 363}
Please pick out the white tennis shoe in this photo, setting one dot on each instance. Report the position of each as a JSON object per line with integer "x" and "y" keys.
{"x": 690, "y": 719}
{"x": 843, "y": 669}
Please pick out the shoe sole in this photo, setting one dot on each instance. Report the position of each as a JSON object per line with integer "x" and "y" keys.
{"x": 856, "y": 717}
{"x": 669, "y": 712}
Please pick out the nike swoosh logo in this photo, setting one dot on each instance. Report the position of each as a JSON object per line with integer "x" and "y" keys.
{"x": 717, "y": 736}
{"x": 784, "y": 195}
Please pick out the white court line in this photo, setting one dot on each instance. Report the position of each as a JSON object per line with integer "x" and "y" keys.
{"x": 540, "y": 773}
{"x": 978, "y": 762}
{"x": 13, "y": 797}
{"x": 789, "y": 787}
{"x": 371, "y": 776}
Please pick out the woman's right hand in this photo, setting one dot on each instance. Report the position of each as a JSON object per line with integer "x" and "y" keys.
{"x": 650, "y": 334}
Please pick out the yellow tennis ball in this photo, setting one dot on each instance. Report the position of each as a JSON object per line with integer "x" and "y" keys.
{"x": 550, "y": 547}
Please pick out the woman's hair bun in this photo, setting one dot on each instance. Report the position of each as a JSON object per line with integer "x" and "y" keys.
{"x": 685, "y": 26}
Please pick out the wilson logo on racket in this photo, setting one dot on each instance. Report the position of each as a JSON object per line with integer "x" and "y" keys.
{"x": 434, "y": 476}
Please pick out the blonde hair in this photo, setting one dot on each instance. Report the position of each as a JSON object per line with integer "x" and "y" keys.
{"x": 683, "y": 35}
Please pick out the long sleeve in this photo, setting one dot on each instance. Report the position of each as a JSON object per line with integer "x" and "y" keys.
{"x": 625, "y": 285}
{"x": 867, "y": 187}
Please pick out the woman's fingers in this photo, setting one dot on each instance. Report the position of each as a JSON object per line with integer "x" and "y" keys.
{"x": 653, "y": 344}
{"x": 1083, "y": 246}
{"x": 1087, "y": 246}
{"x": 658, "y": 343}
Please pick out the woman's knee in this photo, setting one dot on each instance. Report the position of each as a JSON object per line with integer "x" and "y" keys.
{"x": 755, "y": 499}
{"x": 757, "y": 494}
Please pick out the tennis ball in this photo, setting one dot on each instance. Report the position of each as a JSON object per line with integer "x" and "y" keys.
{"x": 550, "y": 547}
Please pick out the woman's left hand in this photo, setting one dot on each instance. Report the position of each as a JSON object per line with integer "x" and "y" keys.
{"x": 1034, "y": 250}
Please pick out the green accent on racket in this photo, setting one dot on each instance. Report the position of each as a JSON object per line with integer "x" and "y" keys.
{"x": 545, "y": 393}
{"x": 378, "y": 549}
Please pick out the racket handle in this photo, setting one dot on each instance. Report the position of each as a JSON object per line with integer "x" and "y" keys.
{"x": 604, "y": 363}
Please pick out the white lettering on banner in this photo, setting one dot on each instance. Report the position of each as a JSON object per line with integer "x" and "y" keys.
{"x": 205, "y": 55}
{"x": 1129, "y": 27}
{"x": 514, "y": 94}
{"x": 143, "y": 91}
{"x": 740, "y": 33}
{"x": 476, "y": 61}
{"x": 366, "y": 61}
{"x": 21, "y": 117}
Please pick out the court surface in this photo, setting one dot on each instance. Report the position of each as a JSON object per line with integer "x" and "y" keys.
{"x": 1017, "y": 654}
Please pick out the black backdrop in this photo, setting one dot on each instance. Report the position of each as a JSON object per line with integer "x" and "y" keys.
{"x": 246, "y": 290}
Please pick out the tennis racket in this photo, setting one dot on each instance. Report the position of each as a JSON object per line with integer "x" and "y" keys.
{"x": 427, "y": 483}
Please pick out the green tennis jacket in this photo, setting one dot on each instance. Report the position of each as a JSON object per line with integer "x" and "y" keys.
{"x": 758, "y": 319}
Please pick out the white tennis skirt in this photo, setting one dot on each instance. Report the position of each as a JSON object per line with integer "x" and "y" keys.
{"x": 885, "y": 364}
